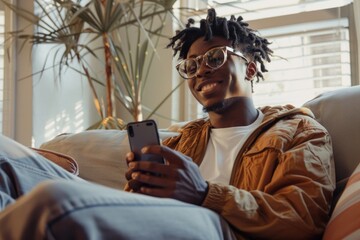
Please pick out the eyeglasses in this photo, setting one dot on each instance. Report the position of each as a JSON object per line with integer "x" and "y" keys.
{"x": 214, "y": 59}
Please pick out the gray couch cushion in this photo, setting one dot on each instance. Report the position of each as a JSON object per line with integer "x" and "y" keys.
{"x": 339, "y": 112}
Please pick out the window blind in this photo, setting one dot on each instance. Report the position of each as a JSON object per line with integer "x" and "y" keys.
{"x": 260, "y": 9}
{"x": 306, "y": 63}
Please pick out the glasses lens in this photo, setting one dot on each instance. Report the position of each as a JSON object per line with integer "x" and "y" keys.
{"x": 188, "y": 68}
{"x": 215, "y": 58}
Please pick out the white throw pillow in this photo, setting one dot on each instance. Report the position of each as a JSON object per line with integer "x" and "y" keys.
{"x": 100, "y": 154}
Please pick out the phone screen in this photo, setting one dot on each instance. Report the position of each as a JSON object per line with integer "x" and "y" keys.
{"x": 141, "y": 134}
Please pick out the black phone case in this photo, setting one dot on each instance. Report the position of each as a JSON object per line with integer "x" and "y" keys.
{"x": 141, "y": 134}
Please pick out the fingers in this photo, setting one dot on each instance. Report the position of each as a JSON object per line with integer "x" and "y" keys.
{"x": 153, "y": 176}
{"x": 143, "y": 182}
{"x": 157, "y": 192}
{"x": 179, "y": 178}
{"x": 129, "y": 157}
{"x": 155, "y": 181}
{"x": 135, "y": 185}
{"x": 171, "y": 156}
{"x": 152, "y": 168}
{"x": 144, "y": 168}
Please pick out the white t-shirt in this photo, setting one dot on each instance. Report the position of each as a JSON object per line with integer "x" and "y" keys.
{"x": 222, "y": 149}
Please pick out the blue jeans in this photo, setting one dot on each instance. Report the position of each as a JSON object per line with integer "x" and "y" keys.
{"x": 40, "y": 200}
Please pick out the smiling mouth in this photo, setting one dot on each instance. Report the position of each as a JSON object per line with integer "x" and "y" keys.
{"x": 208, "y": 87}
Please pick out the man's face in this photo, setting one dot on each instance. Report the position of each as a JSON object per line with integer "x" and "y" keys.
{"x": 210, "y": 87}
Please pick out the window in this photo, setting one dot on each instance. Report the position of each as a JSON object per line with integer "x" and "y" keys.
{"x": 311, "y": 42}
{"x": 311, "y": 62}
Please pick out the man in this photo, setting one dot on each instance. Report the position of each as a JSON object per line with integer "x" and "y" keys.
{"x": 241, "y": 173}
{"x": 267, "y": 172}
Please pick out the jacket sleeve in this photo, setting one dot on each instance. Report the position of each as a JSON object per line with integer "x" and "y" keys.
{"x": 292, "y": 200}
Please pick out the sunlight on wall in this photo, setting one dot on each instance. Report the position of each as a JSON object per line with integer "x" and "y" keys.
{"x": 79, "y": 117}
{"x": 62, "y": 123}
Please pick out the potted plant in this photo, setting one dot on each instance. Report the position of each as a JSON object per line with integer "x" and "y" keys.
{"x": 101, "y": 29}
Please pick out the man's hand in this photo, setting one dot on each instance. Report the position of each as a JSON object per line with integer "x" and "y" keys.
{"x": 179, "y": 178}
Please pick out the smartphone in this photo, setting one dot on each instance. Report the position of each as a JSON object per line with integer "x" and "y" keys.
{"x": 141, "y": 134}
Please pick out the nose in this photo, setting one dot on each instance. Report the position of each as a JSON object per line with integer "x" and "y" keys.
{"x": 203, "y": 70}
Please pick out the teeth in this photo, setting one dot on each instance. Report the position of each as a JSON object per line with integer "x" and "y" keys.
{"x": 208, "y": 86}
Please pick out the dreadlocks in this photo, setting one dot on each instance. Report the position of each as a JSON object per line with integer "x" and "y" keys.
{"x": 234, "y": 29}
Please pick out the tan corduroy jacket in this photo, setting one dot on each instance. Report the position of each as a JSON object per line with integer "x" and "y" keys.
{"x": 282, "y": 180}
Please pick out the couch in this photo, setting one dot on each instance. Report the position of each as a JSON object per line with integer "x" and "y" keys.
{"x": 97, "y": 155}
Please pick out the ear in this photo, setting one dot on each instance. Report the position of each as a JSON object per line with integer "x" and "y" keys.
{"x": 251, "y": 70}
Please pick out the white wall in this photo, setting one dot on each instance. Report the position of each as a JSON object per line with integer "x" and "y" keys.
{"x": 59, "y": 105}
